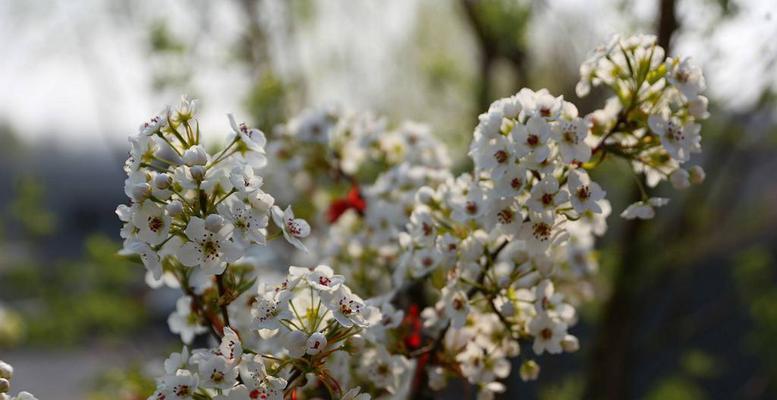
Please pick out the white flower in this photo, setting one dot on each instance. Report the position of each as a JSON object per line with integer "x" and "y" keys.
{"x": 456, "y": 306}
{"x": 252, "y": 370}
{"x": 347, "y": 308}
{"x": 470, "y": 206}
{"x": 383, "y": 369}
{"x": 177, "y": 361}
{"x": 208, "y": 249}
{"x": 511, "y": 183}
{"x": 548, "y": 334}
{"x": 678, "y": 140}
{"x": 546, "y": 195}
{"x": 503, "y": 214}
{"x": 216, "y": 372}
{"x": 253, "y": 140}
{"x": 152, "y": 222}
{"x": 245, "y": 180}
{"x": 269, "y": 309}
{"x": 585, "y": 193}
{"x": 697, "y": 107}
{"x": 230, "y": 347}
{"x": 315, "y": 343}
{"x": 531, "y": 139}
{"x": 354, "y": 394}
{"x": 324, "y": 279}
{"x": 494, "y": 156}
{"x": 180, "y": 386}
{"x": 184, "y": 322}
{"x": 248, "y": 224}
{"x": 686, "y": 77}
{"x": 149, "y": 257}
{"x": 293, "y": 228}
{"x": 644, "y": 209}
{"x": 570, "y": 136}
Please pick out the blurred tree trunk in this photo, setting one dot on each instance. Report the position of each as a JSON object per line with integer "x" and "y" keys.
{"x": 490, "y": 51}
{"x": 609, "y": 369}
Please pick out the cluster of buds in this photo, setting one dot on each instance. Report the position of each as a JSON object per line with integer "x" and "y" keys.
{"x": 6, "y": 373}
{"x": 502, "y": 253}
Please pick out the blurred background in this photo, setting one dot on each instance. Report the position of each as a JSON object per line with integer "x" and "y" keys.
{"x": 686, "y": 305}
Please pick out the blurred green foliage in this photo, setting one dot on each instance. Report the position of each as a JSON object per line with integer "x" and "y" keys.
{"x": 122, "y": 384}
{"x": 755, "y": 276}
{"x": 29, "y": 209}
{"x": 68, "y": 302}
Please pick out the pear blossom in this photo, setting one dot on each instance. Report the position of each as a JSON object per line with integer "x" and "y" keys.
{"x": 531, "y": 139}
{"x": 208, "y": 249}
{"x": 644, "y": 209}
{"x": 184, "y": 322}
{"x": 293, "y": 228}
{"x": 585, "y": 193}
{"x": 548, "y": 334}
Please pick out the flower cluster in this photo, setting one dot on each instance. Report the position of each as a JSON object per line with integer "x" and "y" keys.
{"x": 652, "y": 119}
{"x": 461, "y": 273}
{"x": 294, "y": 329}
{"x": 6, "y": 373}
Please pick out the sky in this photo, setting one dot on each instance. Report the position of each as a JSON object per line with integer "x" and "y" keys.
{"x": 78, "y": 73}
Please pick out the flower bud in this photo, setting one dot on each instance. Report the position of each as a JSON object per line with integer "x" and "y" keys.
{"x": 5, "y": 386}
{"x": 315, "y": 343}
{"x": 502, "y": 272}
{"x": 140, "y": 192}
{"x": 570, "y": 344}
{"x": 175, "y": 208}
{"x": 261, "y": 202}
{"x": 437, "y": 378}
{"x": 679, "y": 179}
{"x": 195, "y": 155}
{"x": 507, "y": 308}
{"x": 214, "y": 222}
{"x": 198, "y": 172}
{"x": 529, "y": 370}
{"x": 698, "y": 107}
{"x": 425, "y": 195}
{"x": 162, "y": 181}
{"x": 357, "y": 342}
{"x": 6, "y": 371}
{"x": 697, "y": 174}
{"x": 4, "y": 396}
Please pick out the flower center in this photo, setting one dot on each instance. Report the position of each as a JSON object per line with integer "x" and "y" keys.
{"x": 546, "y": 334}
{"x": 505, "y": 216}
{"x": 541, "y": 231}
{"x": 324, "y": 280}
{"x": 516, "y": 183}
{"x": 547, "y": 199}
{"x": 532, "y": 140}
{"x": 583, "y": 193}
{"x": 155, "y": 224}
{"x": 501, "y": 156}
{"x": 471, "y": 207}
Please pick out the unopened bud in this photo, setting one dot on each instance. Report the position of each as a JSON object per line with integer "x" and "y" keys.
{"x": 570, "y": 344}
{"x": 195, "y": 155}
{"x": 140, "y": 192}
{"x": 425, "y": 195}
{"x": 214, "y": 222}
{"x": 175, "y": 208}
{"x": 697, "y": 174}
{"x": 198, "y": 172}
{"x": 529, "y": 370}
{"x": 679, "y": 179}
{"x": 162, "y": 181}
{"x": 6, "y": 371}
{"x": 5, "y": 386}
